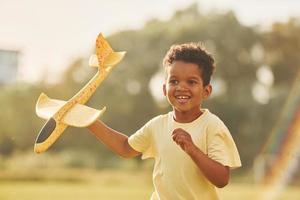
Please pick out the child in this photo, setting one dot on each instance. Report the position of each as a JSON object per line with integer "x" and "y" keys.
{"x": 192, "y": 148}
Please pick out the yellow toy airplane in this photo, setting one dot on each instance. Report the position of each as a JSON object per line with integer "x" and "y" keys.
{"x": 61, "y": 114}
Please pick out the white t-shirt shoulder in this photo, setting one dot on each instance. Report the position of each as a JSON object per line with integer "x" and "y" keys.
{"x": 143, "y": 139}
{"x": 220, "y": 144}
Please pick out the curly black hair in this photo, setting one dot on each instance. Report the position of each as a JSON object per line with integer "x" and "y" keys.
{"x": 192, "y": 53}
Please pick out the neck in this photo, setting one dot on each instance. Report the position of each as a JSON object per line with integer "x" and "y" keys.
{"x": 186, "y": 117}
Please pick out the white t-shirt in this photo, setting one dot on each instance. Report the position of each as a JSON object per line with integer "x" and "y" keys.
{"x": 175, "y": 175}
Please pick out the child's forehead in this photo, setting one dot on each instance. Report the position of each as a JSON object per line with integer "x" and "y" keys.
{"x": 171, "y": 72}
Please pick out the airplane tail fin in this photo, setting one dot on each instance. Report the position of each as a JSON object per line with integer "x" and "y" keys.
{"x": 105, "y": 55}
{"x": 111, "y": 60}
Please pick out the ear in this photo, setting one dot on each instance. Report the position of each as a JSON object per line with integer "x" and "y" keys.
{"x": 164, "y": 89}
{"x": 207, "y": 91}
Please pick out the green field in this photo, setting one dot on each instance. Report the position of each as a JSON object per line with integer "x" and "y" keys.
{"x": 110, "y": 185}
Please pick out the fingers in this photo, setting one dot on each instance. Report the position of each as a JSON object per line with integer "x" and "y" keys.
{"x": 180, "y": 134}
{"x": 182, "y": 138}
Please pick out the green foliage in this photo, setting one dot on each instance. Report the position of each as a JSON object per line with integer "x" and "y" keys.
{"x": 282, "y": 45}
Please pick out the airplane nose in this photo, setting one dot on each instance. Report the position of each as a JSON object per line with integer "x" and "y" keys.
{"x": 46, "y": 131}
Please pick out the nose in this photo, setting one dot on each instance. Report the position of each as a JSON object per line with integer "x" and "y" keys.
{"x": 181, "y": 87}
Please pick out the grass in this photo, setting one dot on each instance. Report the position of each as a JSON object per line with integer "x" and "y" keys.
{"x": 236, "y": 191}
{"x": 76, "y": 185}
{"x": 70, "y": 191}
{"x": 109, "y": 185}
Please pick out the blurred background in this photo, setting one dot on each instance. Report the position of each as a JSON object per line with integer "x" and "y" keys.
{"x": 45, "y": 46}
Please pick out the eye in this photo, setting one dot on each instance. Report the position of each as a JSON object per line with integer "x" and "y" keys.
{"x": 173, "y": 81}
{"x": 192, "y": 82}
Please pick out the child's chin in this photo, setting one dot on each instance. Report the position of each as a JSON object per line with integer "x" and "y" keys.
{"x": 182, "y": 109}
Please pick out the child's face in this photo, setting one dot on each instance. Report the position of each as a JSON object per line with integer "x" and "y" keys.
{"x": 184, "y": 87}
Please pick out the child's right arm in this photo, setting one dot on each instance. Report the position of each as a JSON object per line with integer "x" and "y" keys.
{"x": 115, "y": 140}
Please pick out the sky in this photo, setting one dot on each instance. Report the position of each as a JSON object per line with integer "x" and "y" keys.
{"x": 51, "y": 34}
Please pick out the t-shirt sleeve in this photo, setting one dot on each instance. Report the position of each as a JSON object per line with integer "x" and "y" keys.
{"x": 221, "y": 147}
{"x": 142, "y": 140}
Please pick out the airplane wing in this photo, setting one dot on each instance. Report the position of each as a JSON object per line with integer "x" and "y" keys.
{"x": 79, "y": 115}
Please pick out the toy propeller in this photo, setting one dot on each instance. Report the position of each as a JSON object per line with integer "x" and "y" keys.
{"x": 61, "y": 114}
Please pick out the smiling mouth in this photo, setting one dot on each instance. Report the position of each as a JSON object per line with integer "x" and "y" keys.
{"x": 182, "y": 98}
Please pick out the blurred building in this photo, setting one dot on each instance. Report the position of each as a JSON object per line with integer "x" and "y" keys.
{"x": 9, "y": 60}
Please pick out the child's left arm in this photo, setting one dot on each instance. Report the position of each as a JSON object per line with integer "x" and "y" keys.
{"x": 214, "y": 171}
